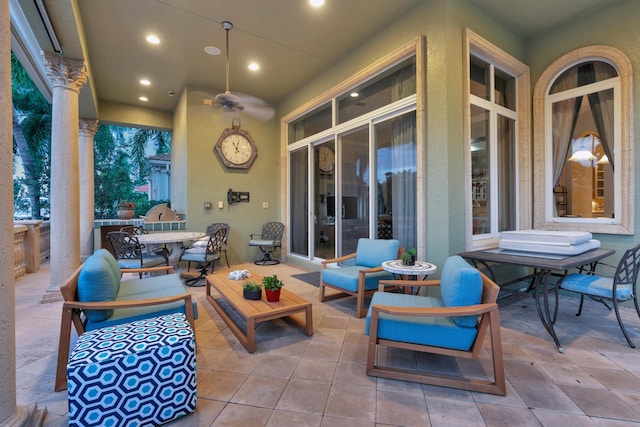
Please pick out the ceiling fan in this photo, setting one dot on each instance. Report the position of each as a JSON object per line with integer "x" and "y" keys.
{"x": 239, "y": 102}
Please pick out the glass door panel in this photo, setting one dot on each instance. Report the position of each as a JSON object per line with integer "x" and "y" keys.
{"x": 324, "y": 209}
{"x": 396, "y": 167}
{"x": 299, "y": 193}
{"x": 352, "y": 207}
{"x": 480, "y": 171}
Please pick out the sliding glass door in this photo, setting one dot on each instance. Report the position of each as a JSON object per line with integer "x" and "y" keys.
{"x": 353, "y": 199}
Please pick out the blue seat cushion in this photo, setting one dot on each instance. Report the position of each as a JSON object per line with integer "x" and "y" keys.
{"x": 433, "y": 331}
{"x": 595, "y": 285}
{"x": 199, "y": 255}
{"x": 373, "y": 252}
{"x": 151, "y": 287}
{"x": 98, "y": 281}
{"x": 147, "y": 261}
{"x": 347, "y": 278}
{"x": 460, "y": 284}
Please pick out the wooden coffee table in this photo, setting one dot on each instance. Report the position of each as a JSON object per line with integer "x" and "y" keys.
{"x": 255, "y": 312}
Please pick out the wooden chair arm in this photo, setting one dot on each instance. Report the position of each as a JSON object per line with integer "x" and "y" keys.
{"x": 394, "y": 282}
{"x": 370, "y": 270}
{"x": 168, "y": 268}
{"x": 107, "y": 305}
{"x": 465, "y": 310}
{"x": 342, "y": 258}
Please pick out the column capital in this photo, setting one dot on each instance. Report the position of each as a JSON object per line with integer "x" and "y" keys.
{"x": 88, "y": 127}
{"x": 61, "y": 71}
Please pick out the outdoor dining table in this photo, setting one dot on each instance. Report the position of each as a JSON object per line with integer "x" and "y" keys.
{"x": 544, "y": 265}
{"x": 174, "y": 240}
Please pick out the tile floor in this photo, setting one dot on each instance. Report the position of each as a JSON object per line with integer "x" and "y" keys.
{"x": 295, "y": 380}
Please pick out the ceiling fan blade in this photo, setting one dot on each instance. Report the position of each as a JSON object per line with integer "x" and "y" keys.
{"x": 230, "y": 102}
{"x": 260, "y": 112}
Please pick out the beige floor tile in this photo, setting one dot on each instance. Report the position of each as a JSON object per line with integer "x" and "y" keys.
{"x": 352, "y": 402}
{"x": 453, "y": 413}
{"x": 401, "y": 408}
{"x": 507, "y": 416}
{"x": 234, "y": 415}
{"x": 315, "y": 370}
{"x": 293, "y": 419}
{"x": 297, "y": 380}
{"x": 601, "y": 403}
{"x": 220, "y": 385}
{"x": 264, "y": 392}
{"x": 304, "y": 396}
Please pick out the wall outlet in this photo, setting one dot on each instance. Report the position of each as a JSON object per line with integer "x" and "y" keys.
{"x": 207, "y": 205}
{"x": 265, "y": 205}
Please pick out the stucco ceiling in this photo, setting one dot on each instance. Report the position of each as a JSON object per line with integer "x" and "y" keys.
{"x": 292, "y": 41}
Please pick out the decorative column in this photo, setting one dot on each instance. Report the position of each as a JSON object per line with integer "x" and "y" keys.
{"x": 88, "y": 129}
{"x": 67, "y": 77}
{"x": 10, "y": 413}
{"x": 8, "y": 408}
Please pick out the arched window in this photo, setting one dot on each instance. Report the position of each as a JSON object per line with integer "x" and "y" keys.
{"x": 582, "y": 143}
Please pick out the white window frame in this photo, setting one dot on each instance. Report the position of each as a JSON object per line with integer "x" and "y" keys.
{"x": 415, "y": 47}
{"x": 622, "y": 223}
{"x": 481, "y": 48}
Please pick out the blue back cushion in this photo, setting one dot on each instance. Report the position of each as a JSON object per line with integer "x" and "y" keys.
{"x": 460, "y": 284}
{"x": 373, "y": 252}
{"x": 98, "y": 281}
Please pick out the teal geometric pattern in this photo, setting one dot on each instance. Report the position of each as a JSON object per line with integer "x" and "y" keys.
{"x": 141, "y": 373}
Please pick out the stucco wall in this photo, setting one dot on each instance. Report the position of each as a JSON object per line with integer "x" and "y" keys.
{"x": 616, "y": 27}
{"x": 443, "y": 23}
{"x": 207, "y": 179}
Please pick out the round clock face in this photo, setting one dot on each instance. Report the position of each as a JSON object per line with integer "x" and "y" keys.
{"x": 236, "y": 149}
{"x": 327, "y": 159}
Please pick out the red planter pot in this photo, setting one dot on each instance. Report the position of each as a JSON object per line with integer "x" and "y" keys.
{"x": 273, "y": 295}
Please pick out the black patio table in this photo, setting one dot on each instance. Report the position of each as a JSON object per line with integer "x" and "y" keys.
{"x": 544, "y": 265}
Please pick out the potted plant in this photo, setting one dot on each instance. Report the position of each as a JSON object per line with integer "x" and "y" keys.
{"x": 125, "y": 209}
{"x": 252, "y": 290}
{"x": 409, "y": 257}
{"x": 272, "y": 286}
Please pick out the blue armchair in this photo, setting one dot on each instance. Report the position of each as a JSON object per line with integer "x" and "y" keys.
{"x": 361, "y": 278}
{"x": 453, "y": 324}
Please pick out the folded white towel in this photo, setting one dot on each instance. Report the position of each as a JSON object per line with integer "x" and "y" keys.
{"x": 239, "y": 274}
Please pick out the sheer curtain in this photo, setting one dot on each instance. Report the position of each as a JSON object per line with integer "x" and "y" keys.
{"x": 403, "y": 163}
{"x": 601, "y": 104}
{"x": 565, "y": 115}
{"x": 403, "y": 185}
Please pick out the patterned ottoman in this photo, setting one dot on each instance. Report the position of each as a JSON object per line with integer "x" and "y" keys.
{"x": 141, "y": 373}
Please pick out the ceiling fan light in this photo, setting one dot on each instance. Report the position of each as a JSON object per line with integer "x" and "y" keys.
{"x": 582, "y": 155}
{"x": 254, "y": 66}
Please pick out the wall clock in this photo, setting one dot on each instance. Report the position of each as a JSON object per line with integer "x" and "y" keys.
{"x": 326, "y": 159}
{"x": 235, "y": 147}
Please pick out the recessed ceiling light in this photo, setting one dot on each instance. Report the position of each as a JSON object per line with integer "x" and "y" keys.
{"x": 143, "y": 98}
{"x": 254, "y": 66}
{"x": 212, "y": 50}
{"x": 145, "y": 82}
{"x": 355, "y": 94}
{"x": 153, "y": 39}
{"x": 316, "y": 3}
